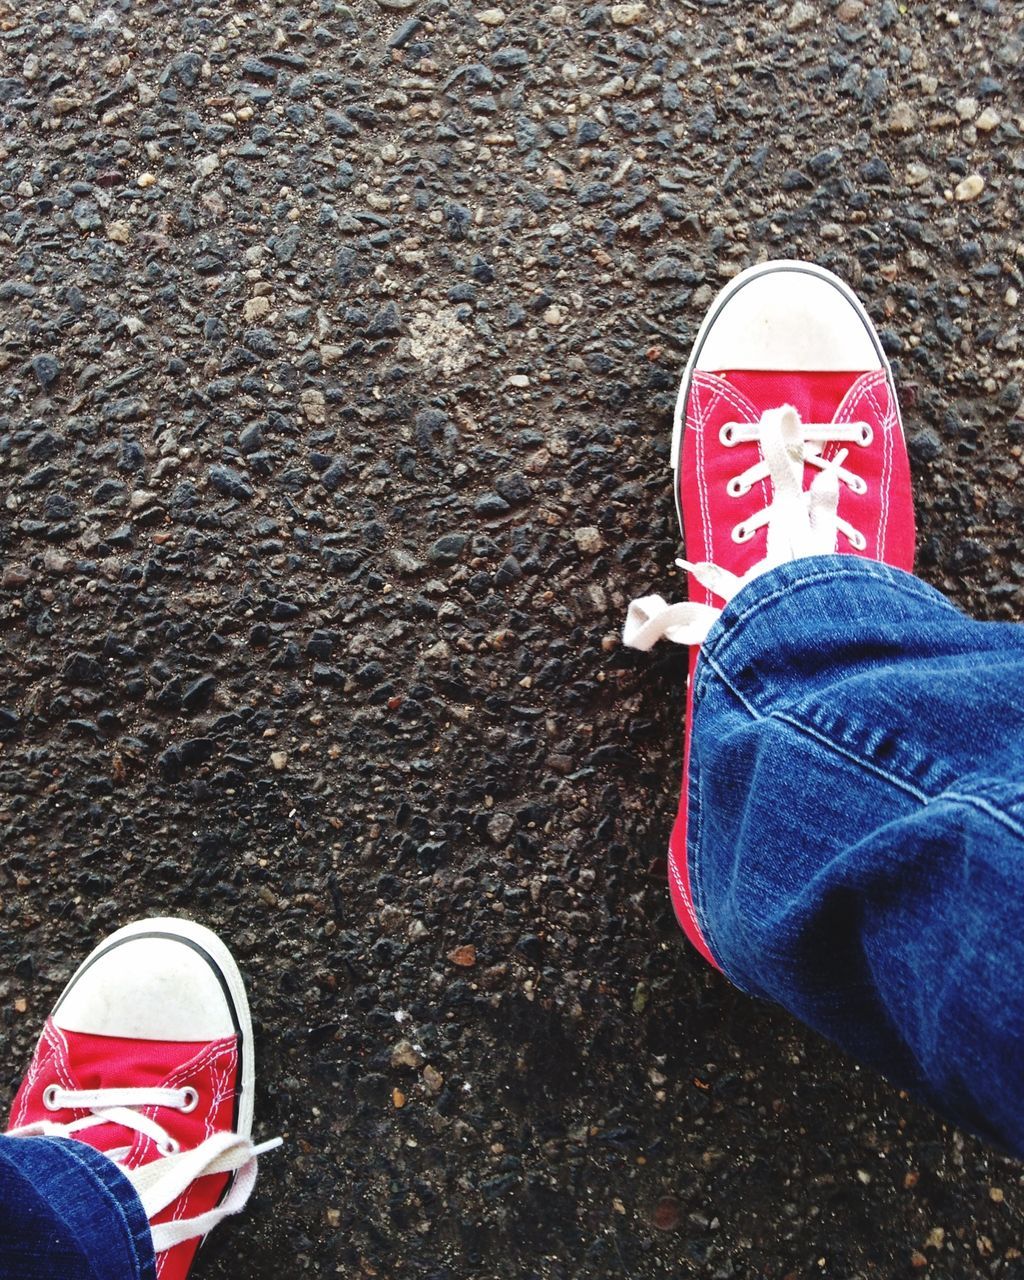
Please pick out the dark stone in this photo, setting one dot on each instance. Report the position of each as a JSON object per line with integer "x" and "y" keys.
{"x": 386, "y": 322}
{"x": 491, "y": 504}
{"x": 260, "y": 341}
{"x": 185, "y": 68}
{"x": 509, "y": 571}
{"x": 447, "y": 549}
{"x": 514, "y": 487}
{"x": 703, "y": 123}
{"x": 198, "y": 694}
{"x": 588, "y": 132}
{"x": 230, "y": 483}
{"x": 47, "y": 370}
{"x": 876, "y": 172}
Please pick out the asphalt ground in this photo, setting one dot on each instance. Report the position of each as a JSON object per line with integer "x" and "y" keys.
{"x": 339, "y": 345}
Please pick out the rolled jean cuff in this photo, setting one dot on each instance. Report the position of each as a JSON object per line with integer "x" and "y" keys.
{"x": 761, "y": 613}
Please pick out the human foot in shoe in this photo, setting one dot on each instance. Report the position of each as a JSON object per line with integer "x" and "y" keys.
{"x": 787, "y": 442}
{"x": 148, "y": 1057}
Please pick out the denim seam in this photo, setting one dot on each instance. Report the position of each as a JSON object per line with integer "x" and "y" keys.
{"x": 694, "y": 864}
{"x": 696, "y": 882}
{"x": 113, "y": 1200}
{"x": 978, "y": 802}
{"x": 723, "y": 639}
{"x": 693, "y": 857}
{"x": 923, "y": 797}
{"x": 811, "y": 732}
{"x": 696, "y": 886}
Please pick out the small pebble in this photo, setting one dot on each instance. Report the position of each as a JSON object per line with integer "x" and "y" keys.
{"x": 801, "y": 15}
{"x": 903, "y": 118}
{"x": 626, "y": 15}
{"x": 970, "y": 188}
{"x": 589, "y": 540}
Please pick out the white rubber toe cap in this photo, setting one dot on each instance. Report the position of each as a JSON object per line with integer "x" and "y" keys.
{"x": 788, "y": 316}
{"x": 156, "y": 980}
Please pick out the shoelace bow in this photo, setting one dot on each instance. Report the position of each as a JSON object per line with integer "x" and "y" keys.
{"x": 799, "y": 522}
{"x": 161, "y": 1181}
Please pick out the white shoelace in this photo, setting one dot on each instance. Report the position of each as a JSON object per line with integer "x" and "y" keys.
{"x": 161, "y": 1181}
{"x": 799, "y": 522}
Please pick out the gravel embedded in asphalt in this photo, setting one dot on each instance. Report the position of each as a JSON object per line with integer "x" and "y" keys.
{"x": 339, "y": 346}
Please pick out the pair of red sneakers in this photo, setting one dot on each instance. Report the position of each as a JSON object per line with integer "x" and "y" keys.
{"x": 787, "y": 443}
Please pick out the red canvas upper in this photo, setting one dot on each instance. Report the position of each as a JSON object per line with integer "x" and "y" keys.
{"x": 77, "y": 1061}
{"x": 884, "y": 514}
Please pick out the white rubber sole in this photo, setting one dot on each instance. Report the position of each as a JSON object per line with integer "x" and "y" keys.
{"x": 213, "y": 949}
{"x": 781, "y": 267}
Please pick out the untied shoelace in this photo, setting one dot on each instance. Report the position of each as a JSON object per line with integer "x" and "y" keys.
{"x": 799, "y": 522}
{"x": 161, "y": 1181}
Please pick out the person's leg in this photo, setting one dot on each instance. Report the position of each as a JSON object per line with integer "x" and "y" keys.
{"x": 856, "y": 836}
{"x": 849, "y": 837}
{"x": 68, "y": 1213}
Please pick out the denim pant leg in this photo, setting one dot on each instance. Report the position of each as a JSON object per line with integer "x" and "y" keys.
{"x": 856, "y": 832}
{"x": 68, "y": 1213}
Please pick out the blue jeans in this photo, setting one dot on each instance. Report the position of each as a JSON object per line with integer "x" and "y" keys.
{"x": 68, "y": 1213}
{"x": 856, "y": 831}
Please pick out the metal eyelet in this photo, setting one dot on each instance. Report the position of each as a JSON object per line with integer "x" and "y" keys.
{"x": 859, "y": 485}
{"x": 727, "y": 434}
{"x": 866, "y": 434}
{"x": 50, "y": 1097}
{"x": 169, "y": 1148}
{"x": 858, "y": 541}
{"x": 735, "y": 489}
{"x": 191, "y": 1100}
{"x": 741, "y": 533}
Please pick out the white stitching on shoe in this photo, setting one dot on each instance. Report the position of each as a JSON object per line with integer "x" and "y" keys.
{"x": 702, "y": 493}
{"x": 706, "y": 392}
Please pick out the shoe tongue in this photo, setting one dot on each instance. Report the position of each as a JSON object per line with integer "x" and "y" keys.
{"x": 815, "y": 396}
{"x": 108, "y": 1062}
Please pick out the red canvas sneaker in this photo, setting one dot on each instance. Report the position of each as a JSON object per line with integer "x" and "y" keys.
{"x": 148, "y": 1057}
{"x": 787, "y": 442}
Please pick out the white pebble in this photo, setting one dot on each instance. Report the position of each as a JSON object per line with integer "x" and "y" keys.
{"x": 970, "y": 188}
{"x": 589, "y": 539}
{"x": 625, "y": 15}
{"x": 801, "y": 15}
